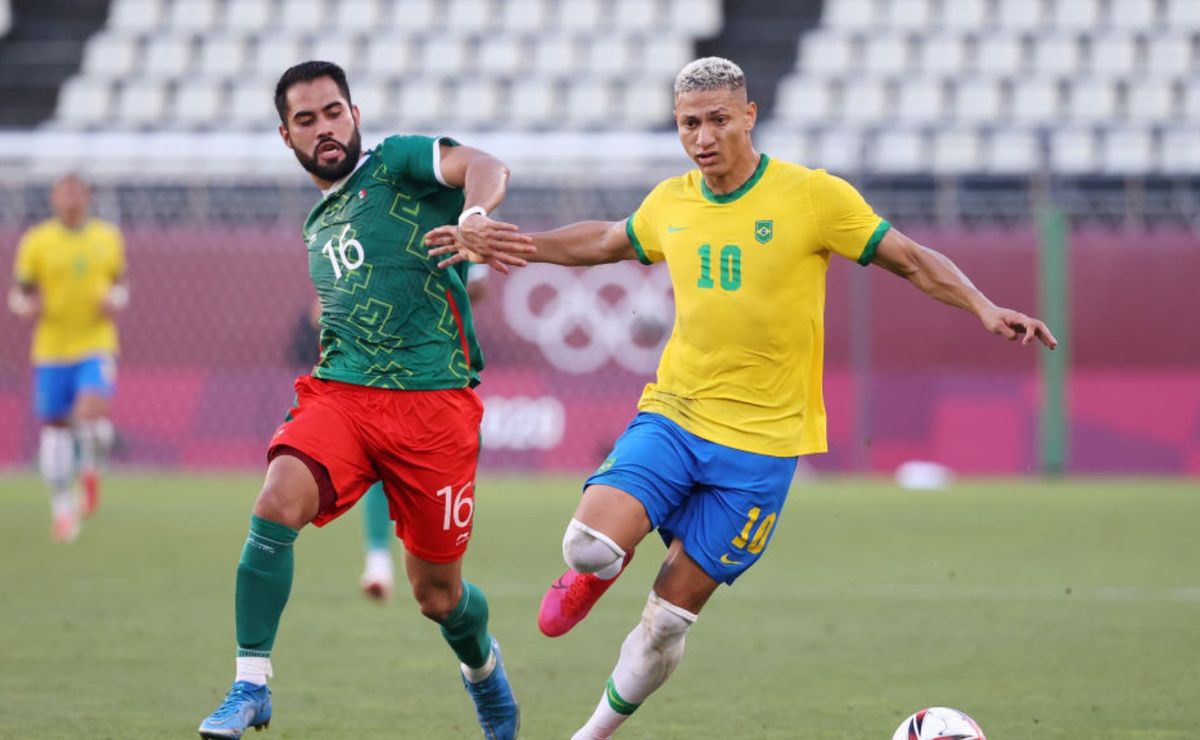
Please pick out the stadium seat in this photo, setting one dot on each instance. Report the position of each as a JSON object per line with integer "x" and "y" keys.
{"x": 167, "y": 56}
{"x": 963, "y": 15}
{"x": 978, "y": 100}
{"x": 1150, "y": 101}
{"x": 84, "y": 102}
{"x": 864, "y": 101}
{"x": 806, "y": 100}
{"x": 373, "y": 96}
{"x": 837, "y": 149}
{"x": 468, "y": 16}
{"x": 342, "y": 49}
{"x": 899, "y": 150}
{"x": 1125, "y": 151}
{"x": 1183, "y": 14}
{"x": 1073, "y": 151}
{"x": 581, "y": 16}
{"x": 1035, "y": 101}
{"x": 477, "y": 103}
{"x": 198, "y": 103}
{"x": 1133, "y": 15}
{"x": 222, "y": 55}
{"x": 665, "y": 56}
{"x": 955, "y": 151}
{"x": 525, "y": 16}
{"x": 636, "y": 15}
{"x": 423, "y": 103}
{"x": 884, "y": 55}
{"x": 276, "y": 52}
{"x": 534, "y": 102}
{"x": 300, "y": 16}
{"x": 825, "y": 53}
{"x": 647, "y": 104}
{"x": 1020, "y": 16}
{"x": 1075, "y": 15}
{"x": 141, "y": 103}
{"x": 908, "y": 15}
{"x": 557, "y": 54}
{"x": 611, "y": 56}
{"x": 110, "y": 54}
{"x": 1179, "y": 151}
{"x": 192, "y": 16}
{"x": 248, "y": 16}
{"x": 1169, "y": 55}
{"x": 390, "y": 56}
{"x": 1012, "y": 151}
{"x": 921, "y": 100}
{"x": 942, "y": 54}
{"x": 5, "y": 18}
{"x": 135, "y": 16}
{"x": 999, "y": 54}
{"x": 850, "y": 15}
{"x": 411, "y": 17}
{"x": 695, "y": 18}
{"x": 589, "y": 103}
{"x": 1191, "y": 103}
{"x": 502, "y": 55}
{"x": 358, "y": 16}
{"x": 1113, "y": 55}
{"x": 1092, "y": 101}
{"x": 252, "y": 103}
{"x": 1057, "y": 55}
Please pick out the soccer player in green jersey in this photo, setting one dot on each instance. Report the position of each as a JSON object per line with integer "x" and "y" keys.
{"x": 709, "y": 458}
{"x": 391, "y": 397}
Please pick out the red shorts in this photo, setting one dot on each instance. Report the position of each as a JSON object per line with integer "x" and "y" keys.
{"x": 423, "y": 445}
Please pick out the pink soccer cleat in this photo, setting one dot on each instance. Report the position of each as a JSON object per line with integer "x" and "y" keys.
{"x": 65, "y": 528}
{"x": 91, "y": 491}
{"x": 571, "y": 597}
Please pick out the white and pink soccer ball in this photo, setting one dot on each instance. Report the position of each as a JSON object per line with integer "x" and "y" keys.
{"x": 939, "y": 723}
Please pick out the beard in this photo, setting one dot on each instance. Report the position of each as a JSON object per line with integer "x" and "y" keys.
{"x": 333, "y": 172}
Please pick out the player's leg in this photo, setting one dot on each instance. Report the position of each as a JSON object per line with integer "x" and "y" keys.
{"x": 53, "y": 396}
{"x": 426, "y": 451}
{"x": 654, "y": 648}
{"x": 317, "y": 470}
{"x": 378, "y": 577}
{"x": 647, "y": 475}
{"x": 93, "y": 428}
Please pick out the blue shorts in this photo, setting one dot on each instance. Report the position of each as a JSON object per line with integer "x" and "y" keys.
{"x": 57, "y": 386}
{"x": 723, "y": 502}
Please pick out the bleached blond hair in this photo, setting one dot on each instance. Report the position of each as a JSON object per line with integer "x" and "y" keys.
{"x": 710, "y": 73}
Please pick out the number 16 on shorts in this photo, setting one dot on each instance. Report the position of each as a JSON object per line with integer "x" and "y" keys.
{"x": 459, "y": 506}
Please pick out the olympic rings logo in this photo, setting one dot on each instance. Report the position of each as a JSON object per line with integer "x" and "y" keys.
{"x": 580, "y": 319}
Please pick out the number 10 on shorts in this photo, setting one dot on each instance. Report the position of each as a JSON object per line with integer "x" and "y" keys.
{"x": 458, "y": 507}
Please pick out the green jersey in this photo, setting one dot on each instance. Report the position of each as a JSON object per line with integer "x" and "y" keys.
{"x": 390, "y": 317}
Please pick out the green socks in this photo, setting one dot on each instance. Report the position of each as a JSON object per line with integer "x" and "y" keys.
{"x": 377, "y": 521}
{"x": 466, "y": 628}
{"x": 264, "y": 581}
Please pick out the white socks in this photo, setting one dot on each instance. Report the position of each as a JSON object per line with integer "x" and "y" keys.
{"x": 475, "y": 675}
{"x": 95, "y": 442}
{"x": 648, "y": 657}
{"x": 56, "y": 461}
{"x": 254, "y": 670}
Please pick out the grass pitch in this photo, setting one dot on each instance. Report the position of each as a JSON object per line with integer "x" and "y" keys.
{"x": 1056, "y": 610}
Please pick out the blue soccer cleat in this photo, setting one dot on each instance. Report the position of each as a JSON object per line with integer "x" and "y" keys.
{"x": 246, "y": 705}
{"x": 495, "y": 705}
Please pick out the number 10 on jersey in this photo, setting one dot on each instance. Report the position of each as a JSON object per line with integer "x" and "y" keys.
{"x": 349, "y": 252}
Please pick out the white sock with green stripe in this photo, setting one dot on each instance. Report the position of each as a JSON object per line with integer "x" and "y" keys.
{"x": 648, "y": 657}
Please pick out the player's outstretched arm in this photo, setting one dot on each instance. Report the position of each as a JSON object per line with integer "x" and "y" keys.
{"x": 484, "y": 180}
{"x": 579, "y": 244}
{"x": 938, "y": 277}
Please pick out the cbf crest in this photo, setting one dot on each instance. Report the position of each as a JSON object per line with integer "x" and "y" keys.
{"x": 764, "y": 231}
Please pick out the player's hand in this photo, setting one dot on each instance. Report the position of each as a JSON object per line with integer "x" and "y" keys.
{"x": 23, "y": 304}
{"x": 480, "y": 240}
{"x": 1014, "y": 325}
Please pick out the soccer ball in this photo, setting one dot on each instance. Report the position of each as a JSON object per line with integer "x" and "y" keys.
{"x": 938, "y": 723}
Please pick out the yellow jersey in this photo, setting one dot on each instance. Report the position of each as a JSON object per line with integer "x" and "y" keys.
{"x": 743, "y": 365}
{"x": 73, "y": 272}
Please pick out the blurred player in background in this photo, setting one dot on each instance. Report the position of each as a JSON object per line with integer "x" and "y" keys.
{"x": 709, "y": 458}
{"x": 378, "y": 578}
{"x": 391, "y": 397}
{"x": 70, "y": 275}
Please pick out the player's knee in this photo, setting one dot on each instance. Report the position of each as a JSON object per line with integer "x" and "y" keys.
{"x": 435, "y": 599}
{"x": 587, "y": 550}
{"x": 665, "y": 625}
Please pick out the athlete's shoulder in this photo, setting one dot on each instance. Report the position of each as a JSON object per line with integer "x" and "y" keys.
{"x": 793, "y": 173}
{"x": 104, "y": 229}
{"x": 41, "y": 231}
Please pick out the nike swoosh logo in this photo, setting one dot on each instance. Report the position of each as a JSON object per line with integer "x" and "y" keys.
{"x": 726, "y": 561}
{"x": 675, "y": 229}
{"x": 559, "y": 583}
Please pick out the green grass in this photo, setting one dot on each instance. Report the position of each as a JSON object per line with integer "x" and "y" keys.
{"x": 1056, "y": 610}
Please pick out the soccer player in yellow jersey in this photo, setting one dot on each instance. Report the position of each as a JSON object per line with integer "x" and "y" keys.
{"x": 709, "y": 457}
{"x": 69, "y": 274}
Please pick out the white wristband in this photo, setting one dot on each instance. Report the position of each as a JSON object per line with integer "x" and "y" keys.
{"x": 471, "y": 212}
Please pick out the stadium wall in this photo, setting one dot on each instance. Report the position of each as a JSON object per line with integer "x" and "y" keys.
{"x": 208, "y": 356}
